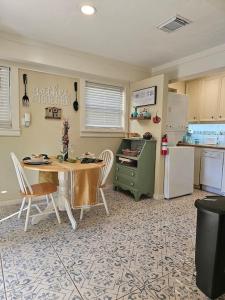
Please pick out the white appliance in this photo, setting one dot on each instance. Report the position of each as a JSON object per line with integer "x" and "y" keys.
{"x": 177, "y": 117}
{"x": 211, "y": 170}
{"x": 179, "y": 172}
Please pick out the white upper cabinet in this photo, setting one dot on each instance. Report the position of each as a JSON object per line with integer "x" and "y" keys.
{"x": 210, "y": 99}
{"x": 194, "y": 92}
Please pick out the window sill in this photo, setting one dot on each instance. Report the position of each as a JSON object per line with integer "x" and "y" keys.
{"x": 9, "y": 132}
{"x": 100, "y": 134}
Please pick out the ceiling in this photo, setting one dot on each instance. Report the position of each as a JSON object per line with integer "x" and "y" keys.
{"x": 124, "y": 30}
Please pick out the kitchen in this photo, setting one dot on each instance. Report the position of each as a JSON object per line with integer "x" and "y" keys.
{"x": 206, "y": 129}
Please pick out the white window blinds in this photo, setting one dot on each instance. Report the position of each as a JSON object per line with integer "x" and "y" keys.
{"x": 5, "y": 110}
{"x": 104, "y": 106}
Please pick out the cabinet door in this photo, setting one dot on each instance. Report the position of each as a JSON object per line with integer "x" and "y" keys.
{"x": 221, "y": 112}
{"x": 197, "y": 163}
{"x": 210, "y": 99}
{"x": 223, "y": 178}
{"x": 211, "y": 168}
{"x": 193, "y": 90}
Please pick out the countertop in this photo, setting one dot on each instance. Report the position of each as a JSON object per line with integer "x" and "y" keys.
{"x": 218, "y": 147}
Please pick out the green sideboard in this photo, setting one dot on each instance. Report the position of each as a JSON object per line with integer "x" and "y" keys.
{"x": 137, "y": 174}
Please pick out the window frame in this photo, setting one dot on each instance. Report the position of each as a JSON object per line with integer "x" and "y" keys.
{"x": 14, "y": 130}
{"x": 101, "y": 131}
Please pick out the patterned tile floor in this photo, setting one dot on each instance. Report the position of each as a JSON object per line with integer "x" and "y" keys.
{"x": 143, "y": 250}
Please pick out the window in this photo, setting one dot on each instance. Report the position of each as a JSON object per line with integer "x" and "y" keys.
{"x": 9, "y": 100}
{"x": 104, "y": 108}
{"x": 5, "y": 111}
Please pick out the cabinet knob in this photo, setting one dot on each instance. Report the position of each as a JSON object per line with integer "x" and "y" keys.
{"x": 212, "y": 117}
{"x": 194, "y": 118}
{"x": 117, "y": 169}
{"x": 132, "y": 184}
{"x": 132, "y": 173}
{"x": 220, "y": 117}
{"x": 116, "y": 177}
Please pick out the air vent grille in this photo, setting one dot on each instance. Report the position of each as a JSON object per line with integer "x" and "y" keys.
{"x": 173, "y": 24}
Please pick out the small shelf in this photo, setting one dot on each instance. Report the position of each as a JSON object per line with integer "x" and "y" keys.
{"x": 127, "y": 156}
{"x": 140, "y": 118}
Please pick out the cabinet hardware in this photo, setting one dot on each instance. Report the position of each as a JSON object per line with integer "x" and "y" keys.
{"x": 116, "y": 177}
{"x": 132, "y": 184}
{"x": 132, "y": 173}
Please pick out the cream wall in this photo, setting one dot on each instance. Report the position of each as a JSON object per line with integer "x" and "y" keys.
{"x": 180, "y": 86}
{"x": 45, "y": 56}
{"x": 141, "y": 126}
{"x": 193, "y": 66}
{"x": 43, "y": 136}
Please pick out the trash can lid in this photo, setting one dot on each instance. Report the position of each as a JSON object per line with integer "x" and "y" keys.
{"x": 214, "y": 204}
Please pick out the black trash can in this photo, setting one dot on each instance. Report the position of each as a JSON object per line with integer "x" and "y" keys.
{"x": 210, "y": 246}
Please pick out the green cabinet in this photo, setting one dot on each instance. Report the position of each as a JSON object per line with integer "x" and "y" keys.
{"x": 136, "y": 173}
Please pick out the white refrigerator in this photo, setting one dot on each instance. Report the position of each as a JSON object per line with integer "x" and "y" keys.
{"x": 179, "y": 163}
{"x": 179, "y": 172}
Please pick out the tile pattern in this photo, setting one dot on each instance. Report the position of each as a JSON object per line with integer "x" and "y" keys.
{"x": 143, "y": 250}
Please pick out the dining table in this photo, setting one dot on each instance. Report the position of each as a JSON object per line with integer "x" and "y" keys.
{"x": 66, "y": 172}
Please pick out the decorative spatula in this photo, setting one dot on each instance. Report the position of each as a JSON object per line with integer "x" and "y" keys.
{"x": 25, "y": 98}
{"x": 75, "y": 103}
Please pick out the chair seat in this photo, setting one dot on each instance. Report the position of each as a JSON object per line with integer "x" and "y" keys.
{"x": 42, "y": 189}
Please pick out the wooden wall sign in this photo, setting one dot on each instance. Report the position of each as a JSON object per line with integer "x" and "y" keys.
{"x": 52, "y": 95}
{"x": 53, "y": 113}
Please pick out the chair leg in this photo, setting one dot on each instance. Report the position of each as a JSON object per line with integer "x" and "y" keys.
{"x": 21, "y": 208}
{"x": 28, "y": 214}
{"x": 81, "y": 213}
{"x": 55, "y": 208}
{"x": 104, "y": 201}
{"x": 37, "y": 208}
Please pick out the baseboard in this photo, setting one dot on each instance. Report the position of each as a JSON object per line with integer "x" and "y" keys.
{"x": 158, "y": 196}
{"x": 16, "y": 201}
{"x": 10, "y": 202}
{"x": 19, "y": 201}
{"x": 108, "y": 187}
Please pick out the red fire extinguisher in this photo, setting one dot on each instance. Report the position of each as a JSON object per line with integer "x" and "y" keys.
{"x": 164, "y": 149}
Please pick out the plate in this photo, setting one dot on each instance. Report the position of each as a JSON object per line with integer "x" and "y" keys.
{"x": 30, "y": 162}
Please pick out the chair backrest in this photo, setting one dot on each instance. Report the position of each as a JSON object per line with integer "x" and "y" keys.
{"x": 108, "y": 157}
{"x": 25, "y": 187}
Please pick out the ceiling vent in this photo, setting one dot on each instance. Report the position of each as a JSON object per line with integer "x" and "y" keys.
{"x": 173, "y": 23}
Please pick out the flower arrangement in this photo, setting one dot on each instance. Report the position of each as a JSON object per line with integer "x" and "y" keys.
{"x": 65, "y": 139}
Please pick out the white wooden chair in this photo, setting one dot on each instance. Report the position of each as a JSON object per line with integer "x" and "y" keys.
{"x": 108, "y": 157}
{"x": 29, "y": 192}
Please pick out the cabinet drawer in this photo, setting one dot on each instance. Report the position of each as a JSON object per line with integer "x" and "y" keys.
{"x": 126, "y": 171}
{"x": 123, "y": 179}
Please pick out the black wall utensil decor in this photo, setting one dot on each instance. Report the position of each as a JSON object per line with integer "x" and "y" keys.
{"x": 75, "y": 103}
{"x": 25, "y": 99}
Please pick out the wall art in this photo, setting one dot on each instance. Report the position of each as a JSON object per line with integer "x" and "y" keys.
{"x": 144, "y": 97}
{"x": 53, "y": 113}
{"x": 52, "y": 95}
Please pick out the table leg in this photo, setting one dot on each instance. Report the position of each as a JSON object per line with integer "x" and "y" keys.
{"x": 63, "y": 202}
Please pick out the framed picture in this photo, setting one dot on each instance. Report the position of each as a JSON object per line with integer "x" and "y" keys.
{"x": 145, "y": 97}
{"x": 53, "y": 113}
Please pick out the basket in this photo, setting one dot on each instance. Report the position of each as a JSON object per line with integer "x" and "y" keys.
{"x": 129, "y": 152}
